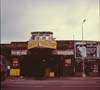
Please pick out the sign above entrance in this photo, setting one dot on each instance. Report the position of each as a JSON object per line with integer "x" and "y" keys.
{"x": 42, "y": 43}
{"x": 47, "y": 43}
{"x": 32, "y": 44}
{"x": 42, "y": 40}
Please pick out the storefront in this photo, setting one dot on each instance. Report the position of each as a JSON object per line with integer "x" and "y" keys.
{"x": 67, "y": 57}
{"x": 18, "y": 51}
{"x": 43, "y": 56}
{"x": 41, "y": 66}
{"x": 91, "y": 55}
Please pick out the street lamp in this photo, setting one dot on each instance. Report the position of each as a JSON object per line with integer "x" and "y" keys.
{"x": 82, "y": 27}
{"x": 83, "y": 73}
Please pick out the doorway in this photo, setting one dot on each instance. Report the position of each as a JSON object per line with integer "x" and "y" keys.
{"x": 41, "y": 66}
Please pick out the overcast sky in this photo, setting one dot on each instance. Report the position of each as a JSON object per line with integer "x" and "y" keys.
{"x": 63, "y": 17}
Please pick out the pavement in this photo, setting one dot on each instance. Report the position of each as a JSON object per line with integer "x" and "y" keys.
{"x": 76, "y": 78}
{"x": 66, "y": 83}
{"x": 57, "y": 78}
{"x": 60, "y": 78}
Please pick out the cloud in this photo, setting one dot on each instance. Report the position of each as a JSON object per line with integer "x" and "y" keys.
{"x": 63, "y": 17}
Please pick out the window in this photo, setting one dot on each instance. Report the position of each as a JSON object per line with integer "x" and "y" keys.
{"x": 47, "y": 38}
{"x": 33, "y": 37}
{"x": 44, "y": 37}
{"x": 78, "y": 66}
{"x": 93, "y": 67}
{"x": 37, "y": 37}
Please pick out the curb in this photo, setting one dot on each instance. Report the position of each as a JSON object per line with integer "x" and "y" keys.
{"x": 59, "y": 78}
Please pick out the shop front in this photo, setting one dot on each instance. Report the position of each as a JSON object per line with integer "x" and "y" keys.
{"x": 18, "y": 51}
{"x": 87, "y": 55}
{"x": 15, "y": 67}
{"x": 68, "y": 61}
{"x": 42, "y": 65}
{"x": 91, "y": 67}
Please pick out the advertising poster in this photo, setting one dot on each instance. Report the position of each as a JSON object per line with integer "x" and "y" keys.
{"x": 88, "y": 50}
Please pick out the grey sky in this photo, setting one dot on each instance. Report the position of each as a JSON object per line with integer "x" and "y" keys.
{"x": 62, "y": 17}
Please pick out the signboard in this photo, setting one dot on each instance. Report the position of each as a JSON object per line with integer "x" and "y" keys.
{"x": 18, "y": 52}
{"x": 42, "y": 43}
{"x": 14, "y": 72}
{"x": 32, "y": 44}
{"x": 47, "y": 43}
{"x": 88, "y": 50}
{"x": 63, "y": 52}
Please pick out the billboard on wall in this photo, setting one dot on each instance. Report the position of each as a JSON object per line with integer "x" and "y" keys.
{"x": 89, "y": 50}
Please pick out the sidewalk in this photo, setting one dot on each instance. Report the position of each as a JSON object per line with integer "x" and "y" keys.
{"x": 57, "y": 78}
{"x": 78, "y": 78}
{"x": 74, "y": 78}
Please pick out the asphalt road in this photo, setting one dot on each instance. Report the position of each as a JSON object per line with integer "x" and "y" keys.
{"x": 69, "y": 84}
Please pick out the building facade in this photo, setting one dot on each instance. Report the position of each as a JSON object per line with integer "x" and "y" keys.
{"x": 43, "y": 56}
